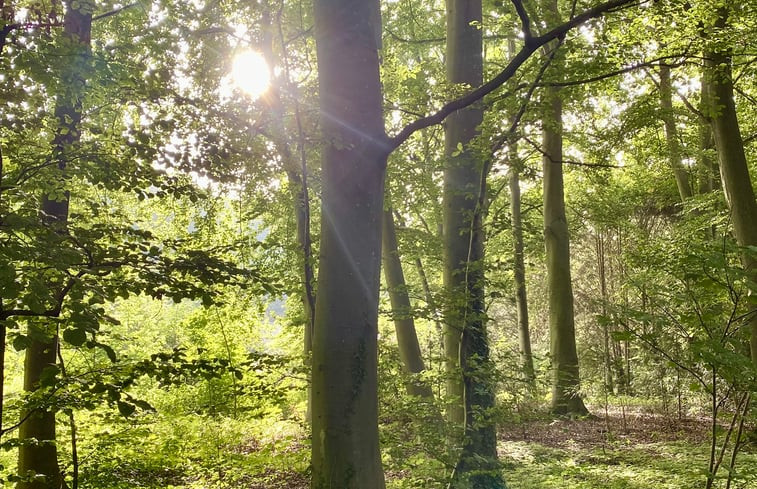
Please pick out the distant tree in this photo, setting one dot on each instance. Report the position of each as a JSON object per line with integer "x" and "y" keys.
{"x": 566, "y": 398}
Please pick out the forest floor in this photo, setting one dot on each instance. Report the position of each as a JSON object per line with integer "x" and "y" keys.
{"x": 616, "y": 450}
{"x": 613, "y": 450}
{"x": 603, "y": 429}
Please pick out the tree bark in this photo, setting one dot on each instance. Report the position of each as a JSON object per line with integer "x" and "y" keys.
{"x": 463, "y": 245}
{"x": 464, "y": 189}
{"x": 708, "y": 169}
{"x": 734, "y": 171}
{"x": 565, "y": 379}
{"x": 565, "y": 376}
{"x": 602, "y": 269}
{"x": 671, "y": 135}
{"x": 519, "y": 274}
{"x": 404, "y": 324}
{"x": 345, "y": 443}
{"x": 38, "y": 452}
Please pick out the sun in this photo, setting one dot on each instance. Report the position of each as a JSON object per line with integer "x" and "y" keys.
{"x": 250, "y": 73}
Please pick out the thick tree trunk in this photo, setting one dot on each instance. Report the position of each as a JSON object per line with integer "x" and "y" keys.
{"x": 671, "y": 135}
{"x": 462, "y": 233}
{"x": 519, "y": 275}
{"x": 345, "y": 444}
{"x": 402, "y": 315}
{"x": 466, "y": 344}
{"x": 734, "y": 171}
{"x": 38, "y": 452}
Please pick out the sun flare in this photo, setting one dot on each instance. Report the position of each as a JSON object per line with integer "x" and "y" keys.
{"x": 250, "y": 73}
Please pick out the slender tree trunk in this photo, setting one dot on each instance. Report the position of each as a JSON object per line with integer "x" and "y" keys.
{"x": 462, "y": 175}
{"x": 671, "y": 135}
{"x": 345, "y": 444}
{"x": 297, "y": 179}
{"x": 519, "y": 274}
{"x": 565, "y": 380}
{"x": 734, "y": 171}
{"x": 601, "y": 261}
{"x": 466, "y": 344}
{"x": 38, "y": 451}
{"x": 708, "y": 169}
{"x": 404, "y": 324}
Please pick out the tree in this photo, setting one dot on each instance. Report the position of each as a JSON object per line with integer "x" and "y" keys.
{"x": 345, "y": 451}
{"x": 466, "y": 346}
{"x": 671, "y": 134}
{"x": 38, "y": 452}
{"x": 402, "y": 314}
{"x": 565, "y": 381}
{"x": 734, "y": 171}
{"x": 519, "y": 269}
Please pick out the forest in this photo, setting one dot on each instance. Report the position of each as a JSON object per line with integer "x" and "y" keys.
{"x": 378, "y": 244}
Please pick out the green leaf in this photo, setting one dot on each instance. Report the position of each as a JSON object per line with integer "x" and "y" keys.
{"x": 48, "y": 375}
{"x": 75, "y": 336}
{"x": 621, "y": 335}
{"x": 108, "y": 351}
{"x": 21, "y": 342}
{"x": 7, "y": 273}
{"x": 126, "y": 408}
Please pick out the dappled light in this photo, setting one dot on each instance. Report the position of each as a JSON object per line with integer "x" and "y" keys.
{"x": 378, "y": 244}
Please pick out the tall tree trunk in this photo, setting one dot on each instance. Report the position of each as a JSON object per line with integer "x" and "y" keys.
{"x": 466, "y": 344}
{"x": 519, "y": 273}
{"x": 462, "y": 236}
{"x": 565, "y": 376}
{"x": 671, "y": 134}
{"x": 402, "y": 315}
{"x": 565, "y": 380}
{"x": 734, "y": 171}
{"x": 345, "y": 443}
{"x": 38, "y": 452}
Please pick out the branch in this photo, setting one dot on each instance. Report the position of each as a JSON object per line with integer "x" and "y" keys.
{"x": 521, "y": 57}
{"x": 538, "y": 149}
{"x": 397, "y": 37}
{"x": 114, "y": 12}
{"x": 522, "y": 109}
{"x": 524, "y": 20}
